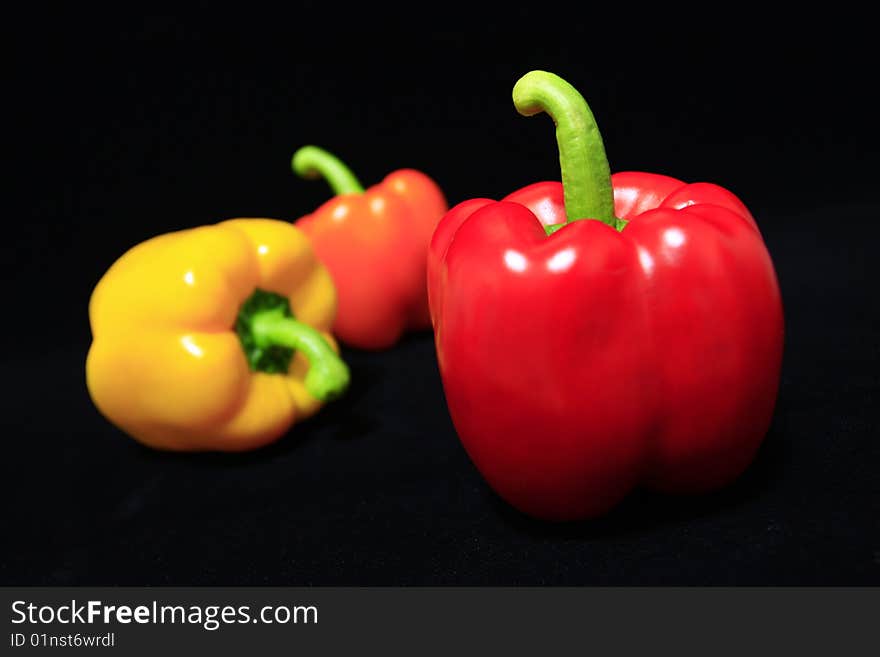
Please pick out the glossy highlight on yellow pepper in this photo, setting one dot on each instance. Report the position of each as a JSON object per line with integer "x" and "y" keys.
{"x": 166, "y": 364}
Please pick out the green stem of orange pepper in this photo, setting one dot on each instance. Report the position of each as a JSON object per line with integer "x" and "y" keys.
{"x": 313, "y": 162}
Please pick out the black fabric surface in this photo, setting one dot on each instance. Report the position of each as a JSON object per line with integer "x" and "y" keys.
{"x": 130, "y": 126}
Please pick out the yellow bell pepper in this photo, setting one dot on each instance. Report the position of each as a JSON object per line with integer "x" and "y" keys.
{"x": 214, "y": 338}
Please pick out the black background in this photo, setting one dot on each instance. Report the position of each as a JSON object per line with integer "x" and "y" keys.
{"x": 126, "y": 124}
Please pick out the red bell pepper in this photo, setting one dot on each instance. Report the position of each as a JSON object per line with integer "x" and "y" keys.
{"x": 375, "y": 244}
{"x": 606, "y": 332}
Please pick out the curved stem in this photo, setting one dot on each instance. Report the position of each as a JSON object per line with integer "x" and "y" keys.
{"x": 328, "y": 375}
{"x": 314, "y": 162}
{"x": 586, "y": 176}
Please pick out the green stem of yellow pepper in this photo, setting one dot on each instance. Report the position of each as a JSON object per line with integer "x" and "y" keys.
{"x": 328, "y": 376}
{"x": 269, "y": 335}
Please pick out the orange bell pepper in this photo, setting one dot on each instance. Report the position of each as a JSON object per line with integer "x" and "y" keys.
{"x": 375, "y": 245}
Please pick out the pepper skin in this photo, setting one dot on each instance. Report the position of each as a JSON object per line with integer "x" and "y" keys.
{"x": 194, "y": 344}
{"x": 606, "y": 332}
{"x": 375, "y": 244}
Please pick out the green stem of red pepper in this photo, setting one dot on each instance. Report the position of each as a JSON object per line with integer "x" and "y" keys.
{"x": 586, "y": 176}
{"x": 313, "y": 162}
